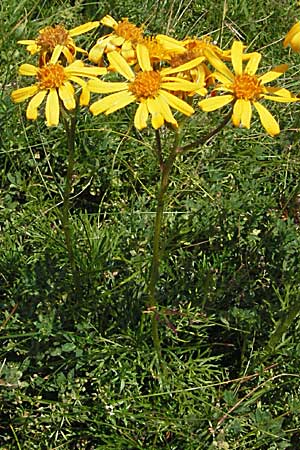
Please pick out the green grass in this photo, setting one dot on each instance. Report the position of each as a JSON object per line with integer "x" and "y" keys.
{"x": 81, "y": 373}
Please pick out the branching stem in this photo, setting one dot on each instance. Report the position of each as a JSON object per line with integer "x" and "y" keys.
{"x": 166, "y": 167}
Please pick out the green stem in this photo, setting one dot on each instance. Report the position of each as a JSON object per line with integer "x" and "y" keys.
{"x": 166, "y": 168}
{"x": 70, "y": 128}
{"x": 203, "y": 139}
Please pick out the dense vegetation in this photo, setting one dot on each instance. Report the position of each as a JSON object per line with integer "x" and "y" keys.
{"x": 79, "y": 371}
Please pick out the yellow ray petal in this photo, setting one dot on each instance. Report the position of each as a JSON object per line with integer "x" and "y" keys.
{"x": 246, "y": 114}
{"x": 52, "y": 108}
{"x": 28, "y": 69}
{"x": 125, "y": 98}
{"x": 58, "y": 50}
{"x": 110, "y": 102}
{"x": 84, "y": 28}
{"x": 116, "y": 41}
{"x": 106, "y": 87}
{"x": 176, "y": 103}
{"x": 128, "y": 52}
{"x": 33, "y": 48}
{"x": 119, "y": 64}
{"x": 282, "y": 92}
{"x": 32, "y": 108}
{"x": 19, "y": 95}
{"x": 143, "y": 58}
{"x": 213, "y": 103}
{"x": 242, "y": 113}
{"x": 85, "y": 95}
{"x": 81, "y": 50}
{"x": 86, "y": 71}
{"x": 273, "y": 73}
{"x": 157, "y": 119}
{"x": 237, "y": 59}
{"x": 180, "y": 85}
{"x": 291, "y": 34}
{"x": 223, "y": 88}
{"x": 75, "y": 64}
{"x": 166, "y": 111}
{"x": 69, "y": 56}
{"x": 77, "y": 80}
{"x": 27, "y": 42}
{"x": 219, "y": 65}
{"x": 96, "y": 53}
{"x": 109, "y": 21}
{"x": 222, "y": 78}
{"x": 237, "y": 113}
{"x": 295, "y": 42}
{"x": 202, "y": 91}
{"x": 66, "y": 93}
{"x": 170, "y": 43}
{"x": 187, "y": 66}
{"x": 268, "y": 122}
{"x": 56, "y": 54}
{"x": 253, "y": 63}
{"x": 141, "y": 116}
{"x": 280, "y": 99}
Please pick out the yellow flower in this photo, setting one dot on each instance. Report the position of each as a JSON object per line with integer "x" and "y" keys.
{"x": 124, "y": 39}
{"x": 189, "y": 49}
{"x": 293, "y": 38}
{"x": 149, "y": 88}
{"x": 157, "y": 52}
{"x": 245, "y": 89}
{"x": 54, "y": 82}
{"x": 50, "y": 37}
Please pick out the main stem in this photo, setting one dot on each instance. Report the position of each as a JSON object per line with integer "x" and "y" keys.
{"x": 70, "y": 127}
{"x": 166, "y": 168}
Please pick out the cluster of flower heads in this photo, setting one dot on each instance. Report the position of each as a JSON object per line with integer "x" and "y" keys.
{"x": 158, "y": 73}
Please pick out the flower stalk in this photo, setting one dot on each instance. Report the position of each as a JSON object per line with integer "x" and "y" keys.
{"x": 70, "y": 127}
{"x": 166, "y": 168}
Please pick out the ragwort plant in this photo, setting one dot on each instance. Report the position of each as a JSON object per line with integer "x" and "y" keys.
{"x": 184, "y": 427}
{"x": 158, "y": 74}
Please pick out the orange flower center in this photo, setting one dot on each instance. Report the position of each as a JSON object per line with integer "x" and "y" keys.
{"x": 128, "y": 31}
{"x": 51, "y": 36}
{"x": 51, "y": 76}
{"x": 146, "y": 84}
{"x": 247, "y": 87}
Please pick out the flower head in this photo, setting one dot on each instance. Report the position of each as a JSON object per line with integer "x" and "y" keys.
{"x": 148, "y": 87}
{"x": 124, "y": 39}
{"x": 53, "y": 36}
{"x": 157, "y": 52}
{"x": 184, "y": 51}
{"x": 293, "y": 38}
{"x": 54, "y": 82}
{"x": 245, "y": 89}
